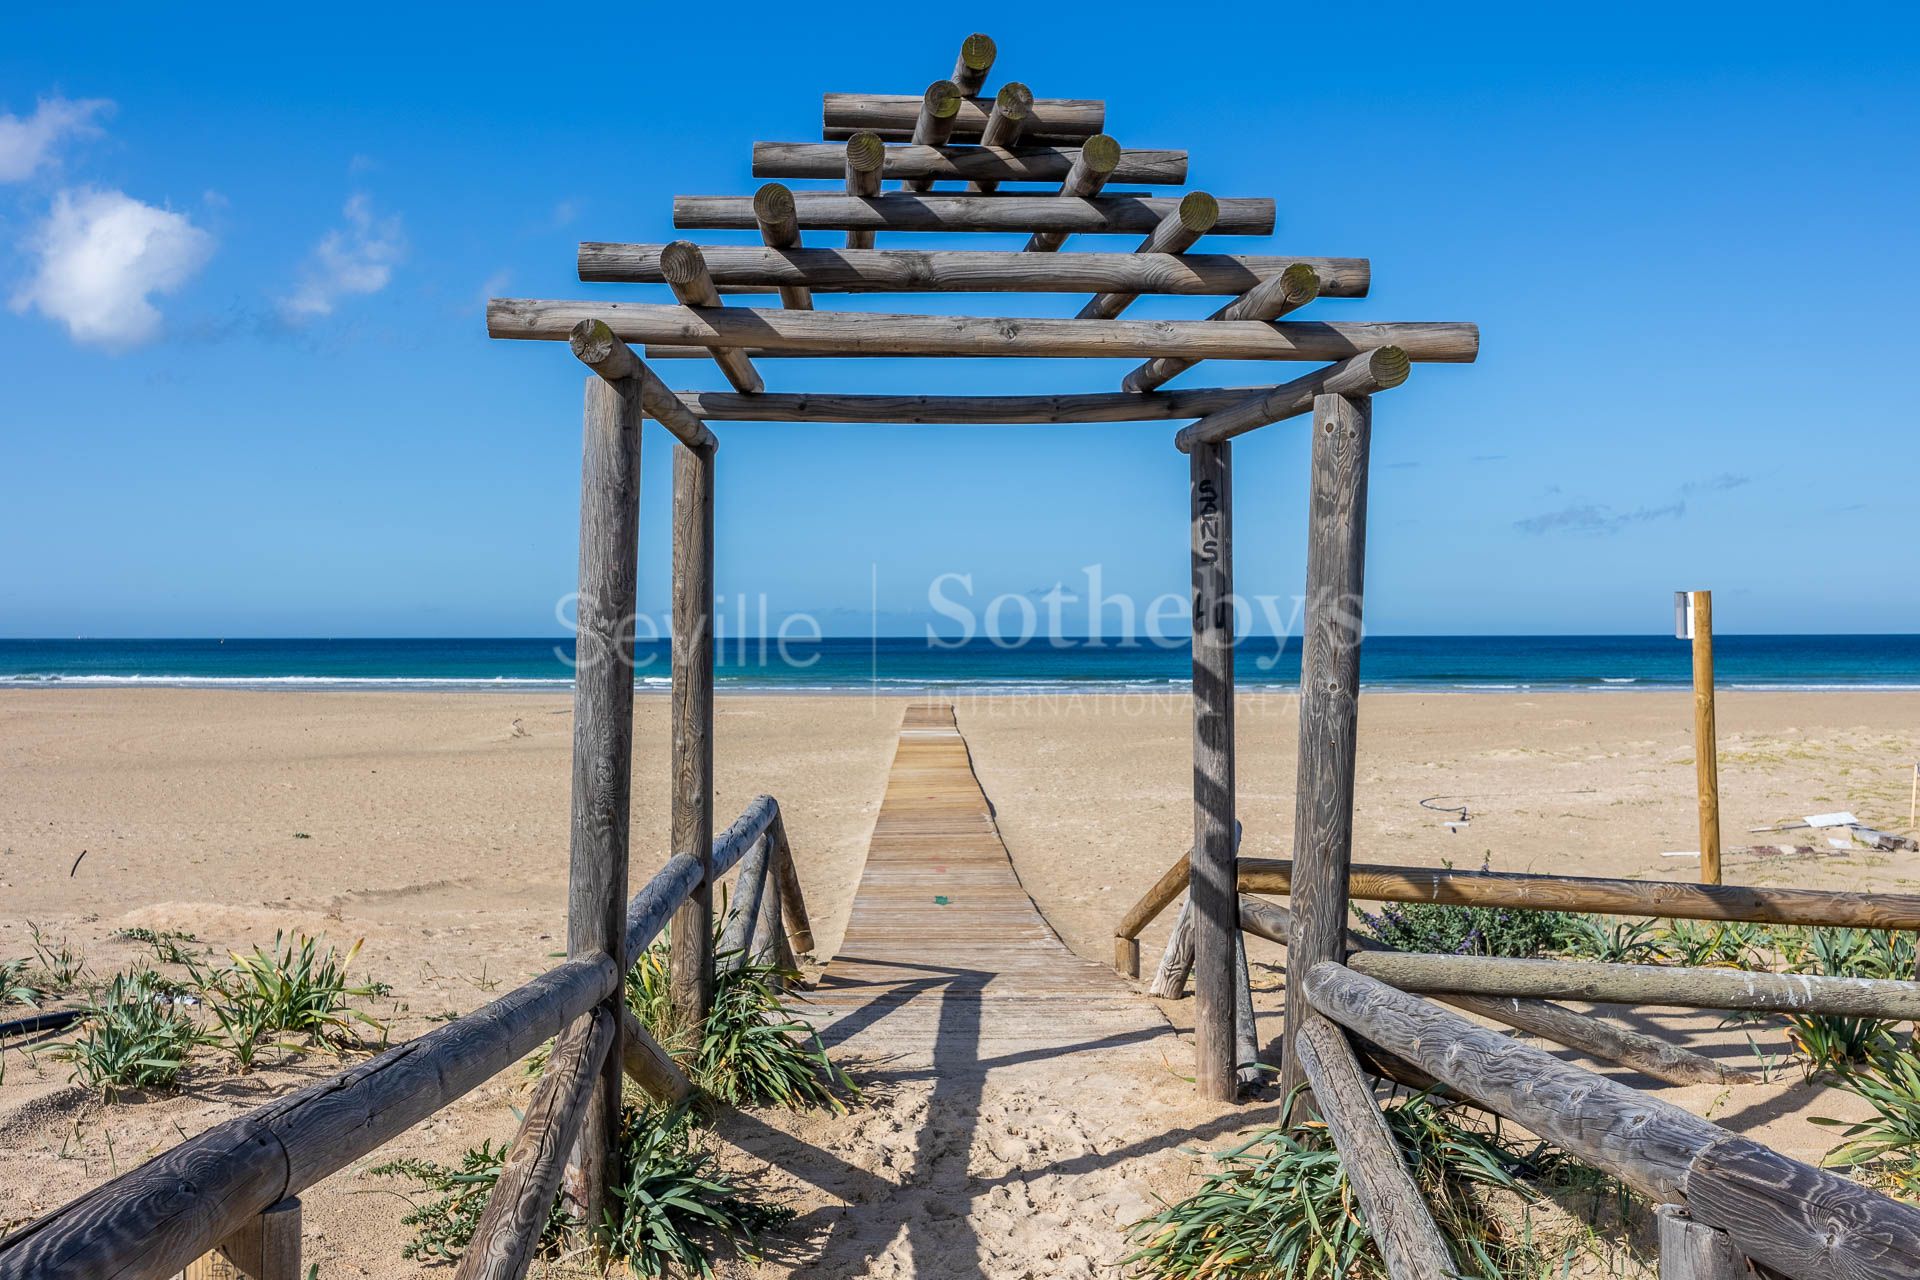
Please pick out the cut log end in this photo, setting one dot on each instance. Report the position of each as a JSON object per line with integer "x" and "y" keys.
{"x": 1100, "y": 153}
{"x": 977, "y": 53}
{"x": 1300, "y": 284}
{"x": 1199, "y": 212}
{"x": 941, "y": 100}
{"x": 1014, "y": 101}
{"x": 593, "y": 342}
{"x": 1389, "y": 366}
{"x": 773, "y": 203}
{"x": 866, "y": 153}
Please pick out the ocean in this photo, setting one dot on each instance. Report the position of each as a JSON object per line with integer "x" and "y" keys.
{"x": 1536, "y": 664}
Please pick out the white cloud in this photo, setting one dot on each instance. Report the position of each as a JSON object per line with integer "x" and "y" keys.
{"x": 26, "y": 144}
{"x": 101, "y": 255}
{"x": 356, "y": 258}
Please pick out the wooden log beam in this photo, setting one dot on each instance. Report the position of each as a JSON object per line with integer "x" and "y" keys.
{"x": 848, "y": 334}
{"x": 652, "y": 907}
{"x": 1247, "y": 1071}
{"x": 1169, "y": 886}
{"x": 793, "y": 902}
{"x": 972, "y": 270}
{"x": 1676, "y": 986}
{"x": 1396, "y": 1213}
{"x": 865, "y": 155}
{"x": 508, "y": 1233}
{"x": 895, "y": 116}
{"x": 150, "y": 1222}
{"x": 1361, "y": 375}
{"x": 266, "y": 1248}
{"x": 1195, "y": 214}
{"x": 1110, "y": 406}
{"x": 744, "y": 908}
{"x": 1593, "y": 1036}
{"x": 772, "y": 210}
{"x": 976, "y": 59}
{"x": 1329, "y": 696}
{"x": 1269, "y": 300}
{"x": 686, "y": 271}
{"x": 912, "y": 211}
{"x": 933, "y": 123}
{"x": 967, "y": 163}
{"x": 691, "y": 820}
{"x": 650, "y": 1066}
{"x": 1092, "y": 169}
{"x": 1210, "y": 878}
{"x": 603, "y": 748}
{"x": 1012, "y": 107}
{"x": 1176, "y": 962}
{"x": 593, "y": 342}
{"x": 1664, "y": 899}
{"x": 1800, "y": 1220}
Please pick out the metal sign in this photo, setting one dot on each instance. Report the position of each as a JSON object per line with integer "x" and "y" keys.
{"x": 1683, "y": 615}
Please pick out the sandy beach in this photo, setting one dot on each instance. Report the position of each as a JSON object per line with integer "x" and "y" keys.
{"x": 434, "y": 826}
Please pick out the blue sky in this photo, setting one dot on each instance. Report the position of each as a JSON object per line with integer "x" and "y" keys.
{"x": 247, "y": 387}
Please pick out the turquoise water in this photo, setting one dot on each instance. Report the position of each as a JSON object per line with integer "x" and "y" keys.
{"x": 907, "y": 664}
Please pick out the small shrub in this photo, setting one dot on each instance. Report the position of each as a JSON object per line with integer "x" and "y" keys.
{"x": 63, "y": 964}
{"x": 1281, "y": 1205}
{"x": 1466, "y": 931}
{"x": 1883, "y": 1150}
{"x": 1712, "y": 944}
{"x": 447, "y": 1203}
{"x": 165, "y": 943}
{"x": 674, "y": 1200}
{"x": 1611, "y": 941}
{"x": 132, "y": 1037}
{"x": 297, "y": 987}
{"x": 1831, "y": 1042}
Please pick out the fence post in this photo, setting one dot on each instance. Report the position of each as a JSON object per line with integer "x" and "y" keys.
{"x": 603, "y": 750}
{"x": 692, "y": 826}
{"x": 1211, "y": 888}
{"x": 266, "y": 1248}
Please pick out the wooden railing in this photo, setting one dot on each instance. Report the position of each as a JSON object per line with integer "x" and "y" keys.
{"x": 222, "y": 1189}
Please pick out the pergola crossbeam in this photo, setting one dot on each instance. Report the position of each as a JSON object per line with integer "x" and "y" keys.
{"x": 909, "y": 211}
{"x": 967, "y": 163}
{"x": 893, "y": 116}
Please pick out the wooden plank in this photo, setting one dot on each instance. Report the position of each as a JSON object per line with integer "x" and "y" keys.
{"x": 1677, "y": 986}
{"x": 894, "y": 116}
{"x": 973, "y": 270}
{"x": 603, "y": 748}
{"x": 1590, "y": 1035}
{"x": 686, "y": 271}
{"x": 508, "y": 1233}
{"x": 1196, "y": 213}
{"x": 1403, "y": 1229}
{"x": 1269, "y": 300}
{"x": 1802, "y": 1221}
{"x": 267, "y": 1247}
{"x": 967, "y": 163}
{"x": 691, "y": 825}
{"x": 845, "y": 333}
{"x": 1329, "y": 696}
{"x": 1665, "y": 899}
{"x": 1210, "y": 881}
{"x": 1356, "y": 376}
{"x": 151, "y": 1221}
{"x": 910, "y": 211}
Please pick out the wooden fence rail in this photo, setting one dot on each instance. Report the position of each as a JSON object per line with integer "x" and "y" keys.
{"x": 151, "y": 1222}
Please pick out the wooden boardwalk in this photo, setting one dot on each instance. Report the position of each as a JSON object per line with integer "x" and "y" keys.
{"x": 940, "y": 921}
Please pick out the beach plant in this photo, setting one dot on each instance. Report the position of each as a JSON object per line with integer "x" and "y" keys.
{"x": 1883, "y": 1150}
{"x": 1711, "y": 944}
{"x": 1610, "y": 941}
{"x": 14, "y": 987}
{"x": 1455, "y": 930}
{"x": 63, "y": 965}
{"x": 1831, "y": 1043}
{"x": 132, "y": 1037}
{"x": 298, "y": 987}
{"x": 1281, "y": 1205}
{"x": 164, "y": 942}
{"x": 674, "y": 1203}
{"x": 447, "y": 1201}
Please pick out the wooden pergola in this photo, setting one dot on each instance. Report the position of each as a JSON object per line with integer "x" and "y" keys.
{"x": 1039, "y": 167}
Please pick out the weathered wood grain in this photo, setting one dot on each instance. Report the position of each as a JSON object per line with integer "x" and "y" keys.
{"x": 603, "y": 745}
{"x": 1592, "y": 1036}
{"x": 1692, "y": 1251}
{"x": 744, "y": 908}
{"x": 1176, "y": 961}
{"x": 894, "y": 116}
{"x": 774, "y": 333}
{"x": 593, "y": 342}
{"x": 1107, "y": 406}
{"x": 1092, "y": 169}
{"x": 1210, "y": 881}
{"x": 1359, "y": 375}
{"x": 1269, "y": 300}
{"x": 686, "y": 271}
{"x": 650, "y": 1066}
{"x": 1247, "y": 1071}
{"x": 1803, "y": 1221}
{"x": 772, "y": 209}
{"x": 973, "y": 270}
{"x": 793, "y": 902}
{"x": 1195, "y": 214}
{"x": 1666, "y": 899}
{"x": 508, "y": 1233}
{"x": 911, "y": 211}
{"x": 267, "y": 1247}
{"x": 967, "y": 163}
{"x": 1397, "y": 1216}
{"x": 1329, "y": 695}
{"x": 691, "y": 824}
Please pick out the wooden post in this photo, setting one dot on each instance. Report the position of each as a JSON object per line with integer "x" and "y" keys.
{"x": 933, "y": 124}
{"x": 1692, "y": 1251}
{"x": 774, "y": 213}
{"x": 267, "y": 1248}
{"x": 976, "y": 59}
{"x": 1011, "y": 107}
{"x": 1246, "y": 1033}
{"x": 865, "y": 156}
{"x": 1706, "y": 750}
{"x": 603, "y": 749}
{"x": 692, "y": 821}
{"x": 1329, "y": 698}
{"x": 1211, "y": 888}
{"x": 1176, "y": 962}
{"x": 686, "y": 272}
